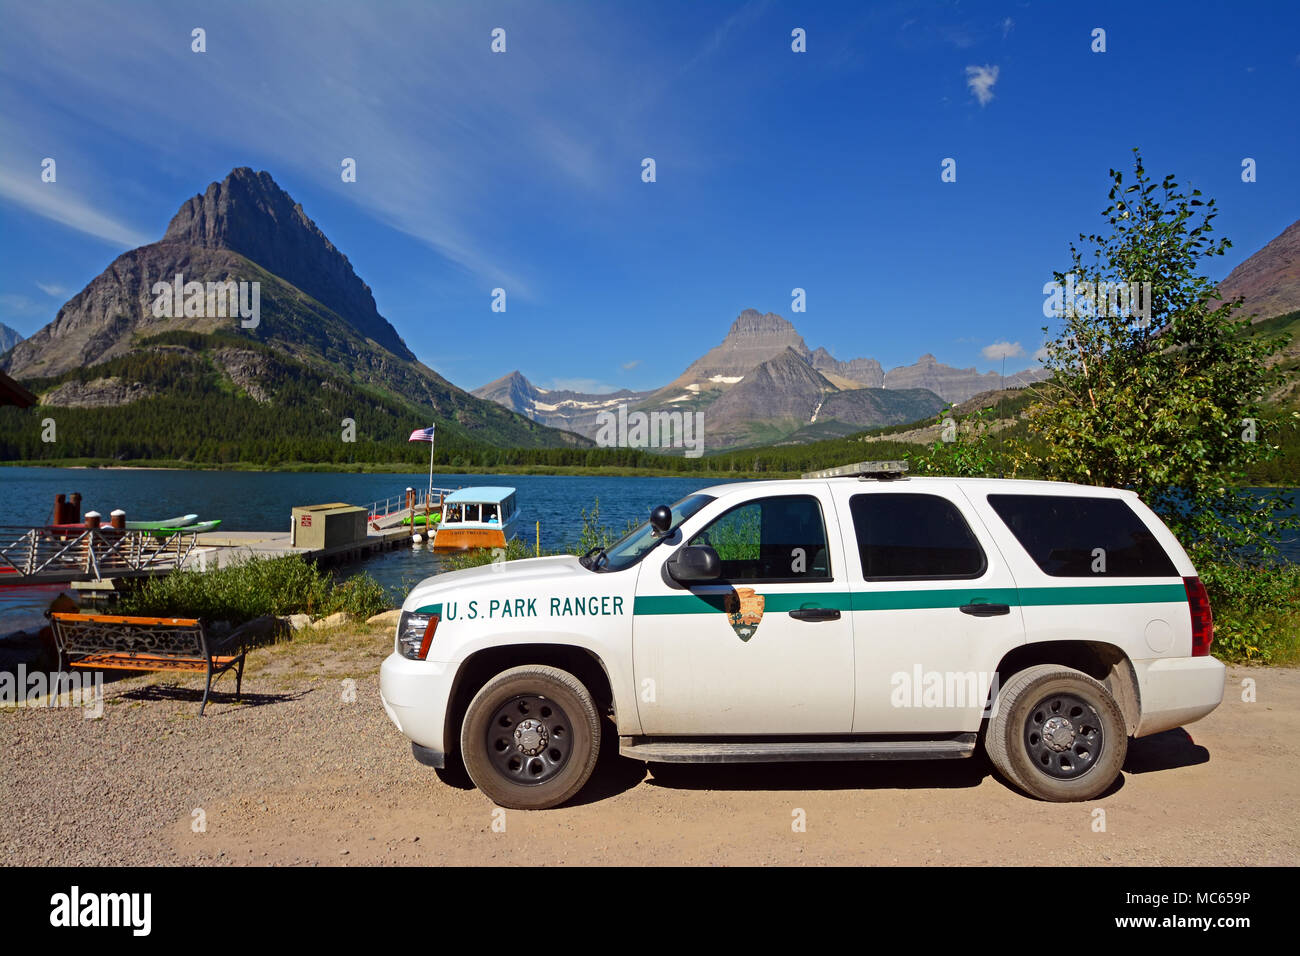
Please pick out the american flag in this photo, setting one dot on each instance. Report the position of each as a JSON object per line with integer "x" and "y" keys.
{"x": 422, "y": 434}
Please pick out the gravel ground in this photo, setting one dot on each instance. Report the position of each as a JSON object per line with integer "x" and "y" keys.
{"x": 298, "y": 774}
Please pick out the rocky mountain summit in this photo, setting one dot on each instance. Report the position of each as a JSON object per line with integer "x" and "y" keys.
{"x": 316, "y": 342}
{"x": 8, "y": 338}
{"x": 762, "y": 382}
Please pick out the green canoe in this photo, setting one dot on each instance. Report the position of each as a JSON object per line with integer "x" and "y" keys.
{"x": 198, "y": 528}
{"x": 179, "y": 522}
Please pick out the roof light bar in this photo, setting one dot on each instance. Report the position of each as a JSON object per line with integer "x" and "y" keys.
{"x": 884, "y": 470}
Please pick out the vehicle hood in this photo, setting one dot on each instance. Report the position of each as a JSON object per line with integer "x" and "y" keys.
{"x": 559, "y": 568}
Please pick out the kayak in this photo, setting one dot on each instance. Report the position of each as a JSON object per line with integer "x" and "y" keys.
{"x": 172, "y": 523}
{"x": 197, "y": 528}
{"x": 420, "y": 519}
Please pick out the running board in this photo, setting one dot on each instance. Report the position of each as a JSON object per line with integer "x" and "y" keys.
{"x": 679, "y": 750}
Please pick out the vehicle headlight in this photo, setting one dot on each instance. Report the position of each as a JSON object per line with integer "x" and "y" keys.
{"x": 415, "y": 633}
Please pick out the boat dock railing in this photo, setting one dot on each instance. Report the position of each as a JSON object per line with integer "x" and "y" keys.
{"x": 397, "y": 503}
{"x": 34, "y": 554}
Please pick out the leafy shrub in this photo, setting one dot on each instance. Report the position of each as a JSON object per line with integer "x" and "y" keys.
{"x": 1256, "y": 610}
{"x": 250, "y": 588}
{"x": 360, "y": 597}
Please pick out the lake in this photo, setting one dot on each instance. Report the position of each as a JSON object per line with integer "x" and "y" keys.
{"x": 261, "y": 501}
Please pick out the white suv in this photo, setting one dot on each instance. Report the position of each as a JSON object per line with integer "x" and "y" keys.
{"x": 847, "y": 618}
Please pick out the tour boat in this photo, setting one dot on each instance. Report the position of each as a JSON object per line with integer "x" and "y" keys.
{"x": 484, "y": 517}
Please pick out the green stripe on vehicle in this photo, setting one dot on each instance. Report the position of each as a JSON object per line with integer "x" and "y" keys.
{"x": 703, "y": 603}
{"x": 924, "y": 599}
{"x": 1105, "y": 594}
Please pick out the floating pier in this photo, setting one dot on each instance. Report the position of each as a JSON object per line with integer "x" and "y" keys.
{"x": 76, "y": 548}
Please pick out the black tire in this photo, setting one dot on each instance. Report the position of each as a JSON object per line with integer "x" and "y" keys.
{"x": 531, "y": 737}
{"x": 1058, "y": 735}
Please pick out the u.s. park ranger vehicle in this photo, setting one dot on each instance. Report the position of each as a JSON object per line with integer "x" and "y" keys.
{"x": 854, "y": 616}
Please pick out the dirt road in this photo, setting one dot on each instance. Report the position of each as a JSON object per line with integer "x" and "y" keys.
{"x": 301, "y": 774}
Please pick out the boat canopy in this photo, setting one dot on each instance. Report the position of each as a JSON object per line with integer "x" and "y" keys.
{"x": 487, "y": 495}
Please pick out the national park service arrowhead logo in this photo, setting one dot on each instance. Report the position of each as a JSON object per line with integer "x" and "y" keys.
{"x": 744, "y": 611}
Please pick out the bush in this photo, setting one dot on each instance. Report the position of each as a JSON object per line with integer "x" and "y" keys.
{"x": 1256, "y": 610}
{"x": 360, "y": 597}
{"x": 248, "y": 589}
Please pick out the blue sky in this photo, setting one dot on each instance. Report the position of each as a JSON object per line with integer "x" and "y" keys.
{"x": 522, "y": 170}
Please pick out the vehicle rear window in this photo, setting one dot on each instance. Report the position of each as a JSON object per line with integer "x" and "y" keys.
{"x": 914, "y": 536}
{"x": 1082, "y": 537}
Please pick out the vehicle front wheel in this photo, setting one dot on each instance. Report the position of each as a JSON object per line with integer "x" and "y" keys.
{"x": 1057, "y": 734}
{"x": 530, "y": 737}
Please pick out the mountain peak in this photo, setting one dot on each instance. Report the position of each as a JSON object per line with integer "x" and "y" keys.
{"x": 752, "y": 322}
{"x": 219, "y": 216}
{"x": 249, "y": 213}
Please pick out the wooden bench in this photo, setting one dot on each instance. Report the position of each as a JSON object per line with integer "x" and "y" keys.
{"x": 111, "y": 642}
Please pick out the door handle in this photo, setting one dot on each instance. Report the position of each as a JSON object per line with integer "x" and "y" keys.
{"x": 815, "y": 614}
{"x": 986, "y": 610}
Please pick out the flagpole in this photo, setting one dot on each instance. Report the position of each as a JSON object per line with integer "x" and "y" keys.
{"x": 429, "y": 494}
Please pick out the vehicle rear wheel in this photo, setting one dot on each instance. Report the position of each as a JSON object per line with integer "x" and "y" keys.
{"x": 1057, "y": 734}
{"x": 531, "y": 737}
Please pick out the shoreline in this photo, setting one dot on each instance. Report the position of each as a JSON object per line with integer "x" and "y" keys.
{"x": 402, "y": 468}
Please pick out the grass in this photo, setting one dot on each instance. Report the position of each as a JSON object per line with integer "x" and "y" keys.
{"x": 248, "y": 589}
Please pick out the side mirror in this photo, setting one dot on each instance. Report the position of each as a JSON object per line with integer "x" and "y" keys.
{"x": 694, "y": 563}
{"x": 661, "y": 520}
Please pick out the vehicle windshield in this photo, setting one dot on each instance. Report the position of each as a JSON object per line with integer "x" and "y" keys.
{"x": 635, "y": 545}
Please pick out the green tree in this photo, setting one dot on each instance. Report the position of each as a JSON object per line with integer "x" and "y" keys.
{"x": 964, "y": 448}
{"x": 1161, "y": 393}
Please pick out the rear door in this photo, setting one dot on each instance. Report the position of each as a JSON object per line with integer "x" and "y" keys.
{"x": 934, "y": 606}
{"x": 1091, "y": 569}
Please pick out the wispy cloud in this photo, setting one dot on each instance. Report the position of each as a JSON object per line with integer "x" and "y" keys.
{"x": 628, "y": 366}
{"x": 16, "y": 306}
{"x": 54, "y": 289}
{"x": 55, "y": 201}
{"x": 981, "y": 79}
{"x": 1007, "y": 26}
{"x": 448, "y": 137}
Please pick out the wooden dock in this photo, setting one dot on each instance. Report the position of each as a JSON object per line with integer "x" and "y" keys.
{"x": 66, "y": 551}
{"x": 41, "y": 556}
{"x": 216, "y": 549}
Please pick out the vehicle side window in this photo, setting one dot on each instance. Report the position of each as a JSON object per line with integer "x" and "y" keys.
{"x": 782, "y": 538}
{"x": 1083, "y": 537}
{"x": 914, "y": 537}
